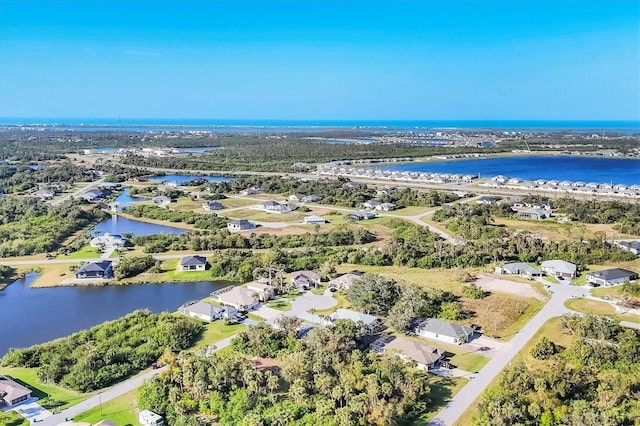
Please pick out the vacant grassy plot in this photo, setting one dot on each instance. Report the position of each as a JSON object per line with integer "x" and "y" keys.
{"x": 52, "y": 274}
{"x": 217, "y": 331}
{"x": 280, "y": 305}
{"x": 122, "y": 410}
{"x": 11, "y": 418}
{"x": 556, "y": 231}
{"x": 159, "y": 222}
{"x": 589, "y": 306}
{"x": 442, "y": 390}
{"x": 51, "y": 396}
{"x": 412, "y": 211}
{"x": 86, "y": 252}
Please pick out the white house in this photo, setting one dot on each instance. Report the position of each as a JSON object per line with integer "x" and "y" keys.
{"x": 559, "y": 268}
{"x": 370, "y": 323}
{"x": 344, "y": 281}
{"x": 610, "y": 277}
{"x": 240, "y": 225}
{"x": 208, "y": 312}
{"x": 193, "y": 263}
{"x": 387, "y": 207}
{"x": 433, "y": 328}
{"x": 313, "y": 220}
{"x": 518, "y": 268}
{"x": 149, "y": 418}
{"x": 12, "y": 393}
{"x": 108, "y": 241}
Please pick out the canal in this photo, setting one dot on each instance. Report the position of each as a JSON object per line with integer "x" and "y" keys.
{"x": 37, "y": 315}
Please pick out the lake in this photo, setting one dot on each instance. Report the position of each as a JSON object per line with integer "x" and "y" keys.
{"x": 187, "y": 178}
{"x": 126, "y": 198}
{"x": 119, "y": 225}
{"x": 586, "y": 169}
{"x": 42, "y": 314}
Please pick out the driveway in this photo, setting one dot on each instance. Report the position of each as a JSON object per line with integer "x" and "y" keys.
{"x": 31, "y": 410}
{"x": 484, "y": 346}
{"x": 266, "y": 312}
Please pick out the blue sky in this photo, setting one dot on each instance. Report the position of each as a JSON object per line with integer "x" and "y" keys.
{"x": 517, "y": 59}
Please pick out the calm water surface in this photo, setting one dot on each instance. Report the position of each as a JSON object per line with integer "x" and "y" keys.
{"x": 118, "y": 225}
{"x": 586, "y": 169}
{"x": 42, "y": 314}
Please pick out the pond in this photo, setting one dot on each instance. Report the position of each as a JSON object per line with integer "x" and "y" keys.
{"x": 119, "y": 225}
{"x": 42, "y": 314}
{"x": 126, "y": 198}
{"x": 187, "y": 178}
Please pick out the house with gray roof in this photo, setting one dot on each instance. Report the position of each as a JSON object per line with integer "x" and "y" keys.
{"x": 208, "y": 312}
{"x": 304, "y": 280}
{"x": 559, "y": 268}
{"x": 518, "y": 268}
{"x": 533, "y": 214}
{"x": 445, "y": 331}
{"x": 102, "y": 269}
{"x": 240, "y": 225}
{"x": 93, "y": 195}
{"x": 610, "y": 277}
{"x": 426, "y": 357}
{"x": 630, "y": 246}
{"x": 193, "y": 263}
{"x": 212, "y": 205}
{"x": 12, "y": 393}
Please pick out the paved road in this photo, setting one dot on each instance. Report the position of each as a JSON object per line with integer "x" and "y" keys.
{"x": 77, "y": 192}
{"x": 472, "y": 390}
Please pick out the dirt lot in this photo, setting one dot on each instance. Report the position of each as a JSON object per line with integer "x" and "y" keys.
{"x": 490, "y": 283}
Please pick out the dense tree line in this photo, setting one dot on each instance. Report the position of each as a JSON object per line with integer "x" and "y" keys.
{"x": 95, "y": 358}
{"x": 28, "y": 226}
{"x": 626, "y": 215}
{"x": 21, "y": 177}
{"x": 131, "y": 266}
{"x": 325, "y": 381}
{"x": 222, "y": 239}
{"x": 202, "y": 221}
{"x": 594, "y": 381}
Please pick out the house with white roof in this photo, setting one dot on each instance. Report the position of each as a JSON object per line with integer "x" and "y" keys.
{"x": 370, "y": 323}
{"x": 343, "y": 282}
{"x": 559, "y": 268}
{"x": 240, "y": 298}
{"x": 436, "y": 329}
{"x": 313, "y": 220}
{"x": 208, "y": 312}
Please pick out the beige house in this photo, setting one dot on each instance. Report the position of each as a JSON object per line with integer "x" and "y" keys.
{"x": 426, "y": 357}
{"x": 240, "y": 298}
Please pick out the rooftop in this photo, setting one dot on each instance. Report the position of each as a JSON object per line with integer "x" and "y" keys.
{"x": 438, "y": 326}
{"x": 613, "y": 274}
{"x": 354, "y": 316}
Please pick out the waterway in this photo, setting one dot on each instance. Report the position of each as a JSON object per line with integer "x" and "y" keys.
{"x": 126, "y": 198}
{"x": 119, "y": 225}
{"x": 187, "y": 178}
{"x": 573, "y": 168}
{"x": 37, "y": 315}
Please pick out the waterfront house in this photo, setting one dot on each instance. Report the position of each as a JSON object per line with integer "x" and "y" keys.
{"x": 426, "y": 357}
{"x": 108, "y": 241}
{"x": 212, "y": 205}
{"x": 240, "y": 298}
{"x": 149, "y": 418}
{"x": 240, "y": 225}
{"x": 445, "y": 331}
{"x": 518, "y": 268}
{"x": 161, "y": 200}
{"x": 343, "y": 282}
{"x": 533, "y": 214}
{"x": 559, "y": 268}
{"x": 93, "y": 196}
{"x": 610, "y": 277}
{"x": 304, "y": 280}
{"x": 370, "y": 323}
{"x": 102, "y": 269}
{"x": 313, "y": 220}
{"x": 262, "y": 288}
{"x": 12, "y": 393}
{"x": 208, "y": 312}
{"x": 193, "y": 263}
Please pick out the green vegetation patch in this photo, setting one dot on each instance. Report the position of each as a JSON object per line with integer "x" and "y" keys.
{"x": 122, "y": 410}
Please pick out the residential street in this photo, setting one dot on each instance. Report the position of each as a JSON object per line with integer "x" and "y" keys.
{"x": 472, "y": 390}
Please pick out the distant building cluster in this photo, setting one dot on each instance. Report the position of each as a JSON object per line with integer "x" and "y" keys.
{"x": 565, "y": 186}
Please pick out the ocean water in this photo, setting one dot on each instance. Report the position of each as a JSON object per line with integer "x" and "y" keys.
{"x": 573, "y": 168}
{"x": 254, "y": 126}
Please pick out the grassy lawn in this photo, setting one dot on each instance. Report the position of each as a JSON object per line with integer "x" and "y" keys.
{"x": 86, "y": 252}
{"x": 588, "y": 306}
{"x": 442, "y": 390}
{"x": 607, "y": 291}
{"x": 11, "y": 418}
{"x": 159, "y": 222}
{"x": 171, "y": 273}
{"x": 280, "y": 305}
{"x": 216, "y": 331}
{"x": 255, "y": 317}
{"x": 411, "y": 211}
{"x": 51, "y": 396}
{"x": 122, "y": 410}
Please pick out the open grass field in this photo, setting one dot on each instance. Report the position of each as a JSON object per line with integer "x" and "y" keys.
{"x": 171, "y": 272}
{"x": 122, "y": 410}
{"x": 553, "y": 230}
{"x": 181, "y": 225}
{"x": 51, "y": 396}
{"x": 442, "y": 390}
{"x": 412, "y": 211}
{"x": 588, "y": 306}
{"x": 11, "y": 418}
{"x": 215, "y": 332}
{"x": 86, "y": 252}
{"x": 280, "y": 305}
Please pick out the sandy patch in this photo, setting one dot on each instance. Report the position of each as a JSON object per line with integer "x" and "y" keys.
{"x": 503, "y": 286}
